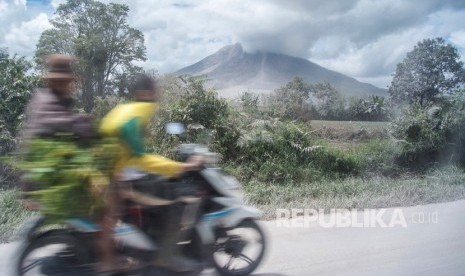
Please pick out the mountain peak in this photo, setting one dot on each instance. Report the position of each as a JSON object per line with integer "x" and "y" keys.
{"x": 230, "y": 51}
{"x": 233, "y": 71}
{"x": 233, "y": 47}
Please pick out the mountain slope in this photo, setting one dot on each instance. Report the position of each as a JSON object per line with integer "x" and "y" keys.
{"x": 232, "y": 71}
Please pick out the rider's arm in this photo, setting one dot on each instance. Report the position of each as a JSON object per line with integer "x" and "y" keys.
{"x": 160, "y": 165}
{"x": 167, "y": 167}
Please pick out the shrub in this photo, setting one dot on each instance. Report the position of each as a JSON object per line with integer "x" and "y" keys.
{"x": 377, "y": 157}
{"x": 16, "y": 86}
{"x": 431, "y": 136}
{"x": 275, "y": 151}
{"x": 9, "y": 176}
{"x": 209, "y": 119}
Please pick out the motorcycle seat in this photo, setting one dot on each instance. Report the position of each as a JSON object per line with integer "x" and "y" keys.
{"x": 153, "y": 201}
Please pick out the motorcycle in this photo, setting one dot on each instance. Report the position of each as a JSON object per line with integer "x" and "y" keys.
{"x": 220, "y": 231}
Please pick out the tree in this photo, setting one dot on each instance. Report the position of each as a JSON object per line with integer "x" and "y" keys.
{"x": 372, "y": 109}
{"x": 329, "y": 104}
{"x": 208, "y": 118}
{"x": 431, "y": 70}
{"x": 291, "y": 101}
{"x": 249, "y": 102}
{"x": 16, "y": 87}
{"x": 99, "y": 36}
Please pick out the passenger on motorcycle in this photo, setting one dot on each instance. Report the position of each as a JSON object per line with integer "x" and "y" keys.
{"x": 127, "y": 122}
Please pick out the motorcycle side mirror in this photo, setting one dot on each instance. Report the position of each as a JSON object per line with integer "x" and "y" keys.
{"x": 175, "y": 128}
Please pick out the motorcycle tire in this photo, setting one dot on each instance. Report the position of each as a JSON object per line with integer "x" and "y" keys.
{"x": 226, "y": 271}
{"x": 73, "y": 259}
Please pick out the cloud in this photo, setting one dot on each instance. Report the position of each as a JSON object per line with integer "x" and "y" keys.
{"x": 361, "y": 38}
{"x": 56, "y": 3}
{"x": 364, "y": 39}
{"x": 21, "y": 23}
{"x": 3, "y": 7}
{"x": 458, "y": 38}
{"x": 22, "y": 37}
{"x": 10, "y": 13}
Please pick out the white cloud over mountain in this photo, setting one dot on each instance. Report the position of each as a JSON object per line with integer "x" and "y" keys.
{"x": 361, "y": 38}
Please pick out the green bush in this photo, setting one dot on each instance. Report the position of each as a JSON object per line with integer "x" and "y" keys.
{"x": 431, "y": 136}
{"x": 16, "y": 86}
{"x": 335, "y": 163}
{"x": 278, "y": 152}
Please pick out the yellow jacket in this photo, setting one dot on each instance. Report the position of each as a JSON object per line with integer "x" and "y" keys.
{"x": 127, "y": 122}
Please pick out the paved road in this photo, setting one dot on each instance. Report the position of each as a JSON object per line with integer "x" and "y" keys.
{"x": 424, "y": 240}
{"x": 426, "y": 248}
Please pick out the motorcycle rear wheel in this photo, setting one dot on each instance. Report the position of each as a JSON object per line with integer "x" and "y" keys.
{"x": 56, "y": 252}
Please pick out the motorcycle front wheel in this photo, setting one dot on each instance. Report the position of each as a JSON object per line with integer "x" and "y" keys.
{"x": 239, "y": 250}
{"x": 54, "y": 253}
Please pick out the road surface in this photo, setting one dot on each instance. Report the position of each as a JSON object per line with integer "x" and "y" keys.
{"x": 423, "y": 240}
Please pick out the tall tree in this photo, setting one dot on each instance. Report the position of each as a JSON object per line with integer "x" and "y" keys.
{"x": 16, "y": 85}
{"x": 99, "y": 36}
{"x": 431, "y": 70}
{"x": 291, "y": 101}
{"x": 329, "y": 101}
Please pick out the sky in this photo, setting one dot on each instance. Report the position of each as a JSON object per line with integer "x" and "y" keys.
{"x": 364, "y": 39}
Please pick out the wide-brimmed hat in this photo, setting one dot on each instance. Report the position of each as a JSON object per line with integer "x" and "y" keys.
{"x": 59, "y": 67}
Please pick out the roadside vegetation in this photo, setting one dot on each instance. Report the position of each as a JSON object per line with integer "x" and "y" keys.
{"x": 302, "y": 146}
{"x": 12, "y": 214}
{"x": 441, "y": 185}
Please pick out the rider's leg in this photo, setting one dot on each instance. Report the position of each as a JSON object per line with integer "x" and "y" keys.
{"x": 170, "y": 255}
{"x": 106, "y": 247}
{"x": 179, "y": 217}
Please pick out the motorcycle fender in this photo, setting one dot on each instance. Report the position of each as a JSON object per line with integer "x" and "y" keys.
{"x": 241, "y": 213}
{"x": 129, "y": 236}
{"x": 30, "y": 235}
{"x": 30, "y": 227}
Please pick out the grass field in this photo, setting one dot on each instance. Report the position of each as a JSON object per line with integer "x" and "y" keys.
{"x": 348, "y": 135}
{"x": 443, "y": 185}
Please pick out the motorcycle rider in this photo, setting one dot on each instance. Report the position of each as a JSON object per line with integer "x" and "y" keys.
{"x": 127, "y": 122}
{"x": 50, "y": 117}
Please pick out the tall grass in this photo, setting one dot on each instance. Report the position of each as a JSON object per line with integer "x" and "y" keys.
{"x": 442, "y": 185}
{"x": 350, "y": 125}
{"x": 12, "y": 214}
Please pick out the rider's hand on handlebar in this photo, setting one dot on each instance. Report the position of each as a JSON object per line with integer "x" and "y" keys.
{"x": 194, "y": 163}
